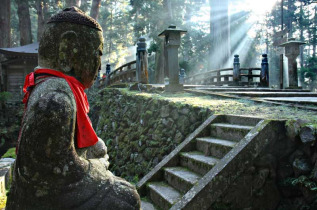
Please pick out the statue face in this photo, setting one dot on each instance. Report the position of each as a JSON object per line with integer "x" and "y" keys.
{"x": 89, "y": 59}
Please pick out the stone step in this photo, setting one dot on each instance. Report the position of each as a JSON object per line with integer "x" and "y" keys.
{"x": 197, "y": 161}
{"x": 214, "y": 147}
{"x": 248, "y": 89}
{"x": 163, "y": 195}
{"x": 181, "y": 178}
{"x": 231, "y": 132}
{"x": 146, "y": 205}
{"x": 238, "y": 120}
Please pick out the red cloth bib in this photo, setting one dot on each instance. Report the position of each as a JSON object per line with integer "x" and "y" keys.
{"x": 85, "y": 133}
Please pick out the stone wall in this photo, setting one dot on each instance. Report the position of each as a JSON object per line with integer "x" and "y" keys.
{"x": 284, "y": 176}
{"x": 139, "y": 131}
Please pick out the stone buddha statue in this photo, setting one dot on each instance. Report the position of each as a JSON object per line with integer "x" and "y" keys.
{"x": 61, "y": 163}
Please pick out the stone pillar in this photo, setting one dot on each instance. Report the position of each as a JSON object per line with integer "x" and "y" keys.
{"x": 291, "y": 52}
{"x": 142, "y": 62}
{"x": 264, "y": 78}
{"x": 236, "y": 69}
{"x": 172, "y": 41}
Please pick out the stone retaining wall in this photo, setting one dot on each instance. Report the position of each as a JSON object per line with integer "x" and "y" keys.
{"x": 139, "y": 131}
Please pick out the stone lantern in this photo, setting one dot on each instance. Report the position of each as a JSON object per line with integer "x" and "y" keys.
{"x": 291, "y": 52}
{"x": 172, "y": 41}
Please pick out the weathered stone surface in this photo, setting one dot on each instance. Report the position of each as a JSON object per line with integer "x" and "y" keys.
{"x": 301, "y": 167}
{"x": 165, "y": 111}
{"x": 50, "y": 171}
{"x": 307, "y": 134}
{"x": 145, "y": 125}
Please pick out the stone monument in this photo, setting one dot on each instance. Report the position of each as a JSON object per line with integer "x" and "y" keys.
{"x": 172, "y": 41}
{"x": 291, "y": 52}
{"x": 61, "y": 163}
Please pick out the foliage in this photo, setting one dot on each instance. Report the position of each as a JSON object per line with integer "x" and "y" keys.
{"x": 10, "y": 153}
{"x": 302, "y": 181}
{"x": 4, "y": 96}
{"x": 308, "y": 73}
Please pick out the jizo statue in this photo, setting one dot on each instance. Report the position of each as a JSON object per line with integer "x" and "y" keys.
{"x": 61, "y": 163}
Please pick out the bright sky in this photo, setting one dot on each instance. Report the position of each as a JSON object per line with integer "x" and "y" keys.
{"x": 258, "y": 8}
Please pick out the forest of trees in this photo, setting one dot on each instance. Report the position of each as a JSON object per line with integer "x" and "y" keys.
{"x": 210, "y": 43}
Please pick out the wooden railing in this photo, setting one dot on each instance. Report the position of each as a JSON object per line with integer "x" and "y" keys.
{"x": 125, "y": 73}
{"x": 220, "y": 77}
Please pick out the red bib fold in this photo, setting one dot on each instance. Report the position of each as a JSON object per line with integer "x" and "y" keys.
{"x": 85, "y": 133}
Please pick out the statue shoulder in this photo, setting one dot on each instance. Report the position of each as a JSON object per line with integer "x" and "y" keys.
{"x": 52, "y": 92}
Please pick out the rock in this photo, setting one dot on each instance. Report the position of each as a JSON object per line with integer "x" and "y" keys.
{"x": 185, "y": 111}
{"x": 285, "y": 170}
{"x": 168, "y": 122}
{"x": 174, "y": 114}
{"x": 260, "y": 178}
{"x": 165, "y": 111}
{"x": 155, "y": 161}
{"x": 301, "y": 167}
{"x": 193, "y": 117}
{"x": 307, "y": 134}
{"x": 314, "y": 172}
{"x": 298, "y": 154}
{"x": 178, "y": 137}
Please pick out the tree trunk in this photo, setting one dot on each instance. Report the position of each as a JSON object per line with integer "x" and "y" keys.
{"x": 160, "y": 64}
{"x": 301, "y": 29}
{"x": 94, "y": 11}
{"x": 219, "y": 34}
{"x": 84, "y": 5}
{"x": 315, "y": 33}
{"x": 24, "y": 22}
{"x": 5, "y": 23}
{"x": 161, "y": 61}
{"x": 41, "y": 7}
{"x": 167, "y": 5}
{"x": 290, "y": 18}
{"x": 70, "y": 3}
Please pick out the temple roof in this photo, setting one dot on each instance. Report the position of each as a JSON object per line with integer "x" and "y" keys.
{"x": 26, "y": 51}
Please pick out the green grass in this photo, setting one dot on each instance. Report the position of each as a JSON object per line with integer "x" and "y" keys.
{"x": 234, "y": 106}
{"x": 10, "y": 153}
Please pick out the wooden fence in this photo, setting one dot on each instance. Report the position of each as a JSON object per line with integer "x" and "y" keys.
{"x": 125, "y": 73}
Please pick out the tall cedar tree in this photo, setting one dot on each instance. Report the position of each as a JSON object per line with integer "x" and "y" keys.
{"x": 219, "y": 33}
{"x": 94, "y": 11}
{"x": 24, "y": 22}
{"x": 70, "y": 3}
{"x": 5, "y": 24}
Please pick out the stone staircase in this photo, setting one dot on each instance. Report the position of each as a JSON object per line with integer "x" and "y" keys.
{"x": 177, "y": 181}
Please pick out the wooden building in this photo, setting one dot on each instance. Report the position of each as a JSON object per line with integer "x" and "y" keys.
{"x": 17, "y": 63}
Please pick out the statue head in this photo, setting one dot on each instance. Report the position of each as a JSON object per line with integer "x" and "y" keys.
{"x": 72, "y": 43}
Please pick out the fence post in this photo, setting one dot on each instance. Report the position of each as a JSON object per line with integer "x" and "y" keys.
{"x": 108, "y": 70}
{"x": 142, "y": 62}
{"x": 264, "y": 78}
{"x": 182, "y": 76}
{"x": 236, "y": 69}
